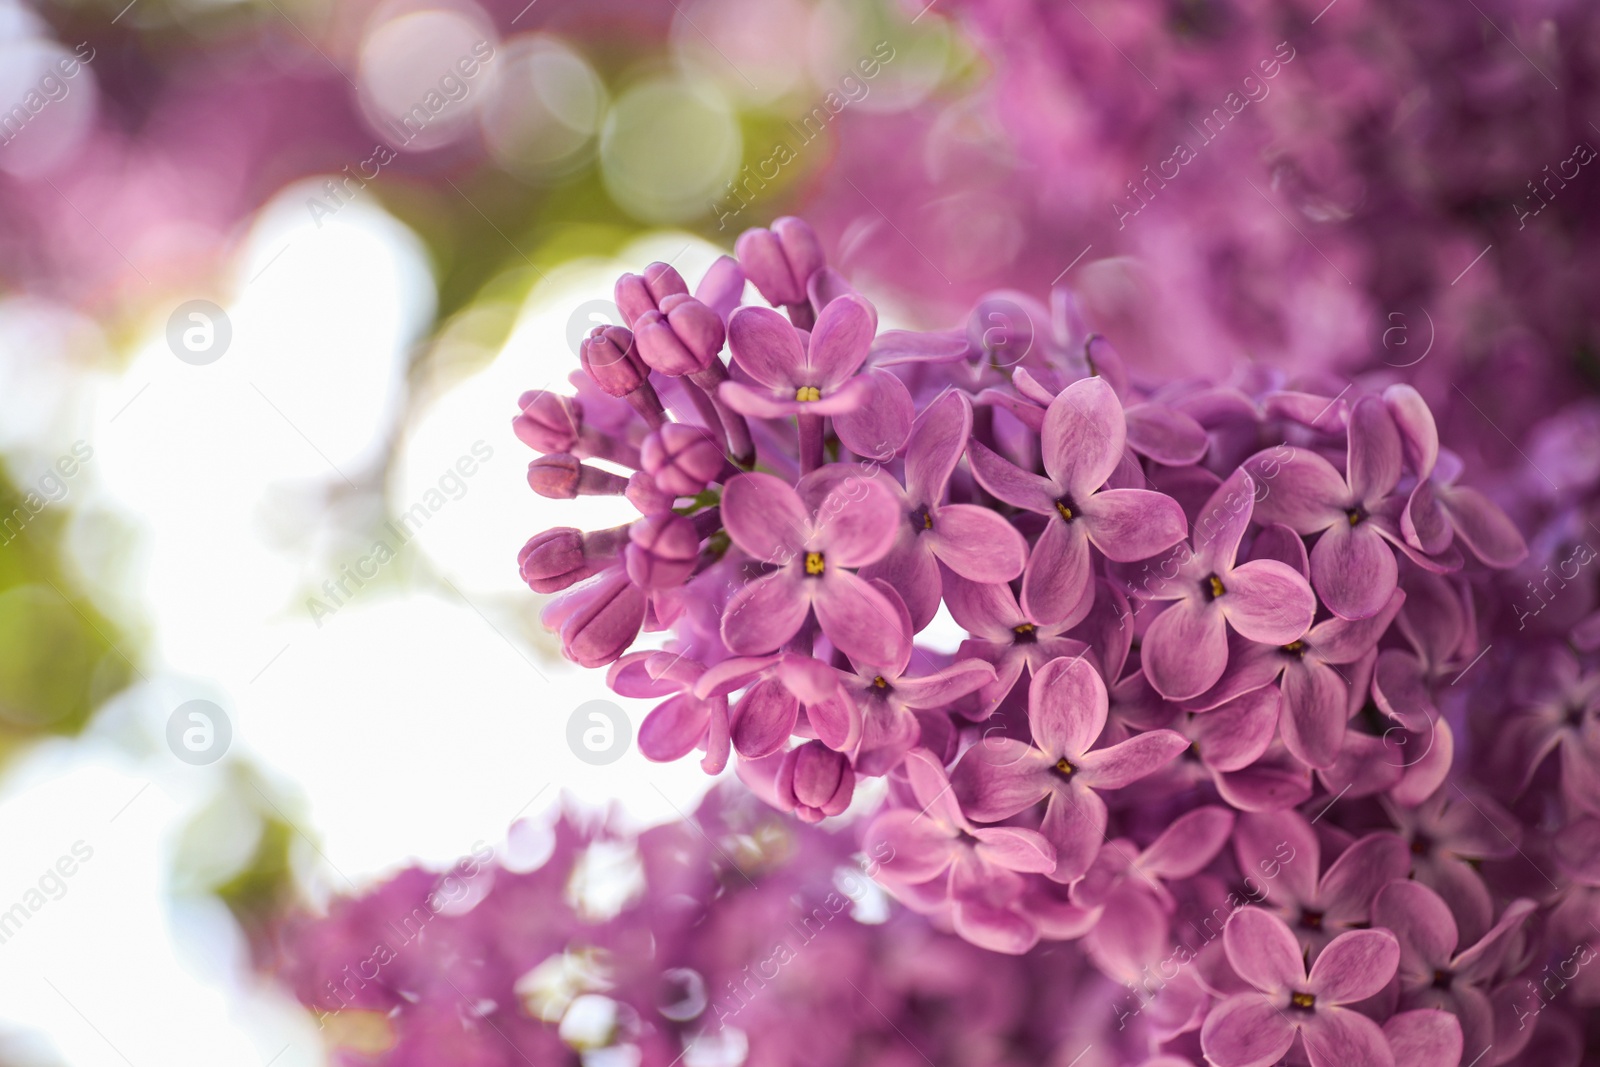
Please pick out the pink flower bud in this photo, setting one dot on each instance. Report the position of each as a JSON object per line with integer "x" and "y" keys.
{"x": 604, "y": 620}
{"x": 682, "y": 337}
{"x": 662, "y": 551}
{"x": 562, "y": 476}
{"x": 553, "y": 560}
{"x": 682, "y": 458}
{"x": 816, "y": 781}
{"x": 637, "y": 293}
{"x": 609, "y": 357}
{"x": 781, "y": 260}
{"x": 549, "y": 422}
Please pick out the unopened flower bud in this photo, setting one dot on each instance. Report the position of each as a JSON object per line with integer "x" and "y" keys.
{"x": 553, "y": 560}
{"x": 562, "y": 476}
{"x": 683, "y": 458}
{"x": 682, "y": 337}
{"x": 662, "y": 551}
{"x": 603, "y": 620}
{"x": 549, "y": 422}
{"x": 816, "y": 780}
{"x": 637, "y": 293}
{"x": 781, "y": 260}
{"x": 609, "y": 357}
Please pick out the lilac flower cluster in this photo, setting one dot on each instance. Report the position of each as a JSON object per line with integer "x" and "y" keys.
{"x": 1205, "y": 719}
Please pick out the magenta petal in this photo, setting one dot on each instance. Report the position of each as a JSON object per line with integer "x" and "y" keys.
{"x": 1484, "y": 527}
{"x": 1300, "y": 490}
{"x": 1427, "y": 1037}
{"x": 1353, "y": 879}
{"x": 1066, "y": 708}
{"x": 1314, "y": 706}
{"x": 1221, "y": 522}
{"x": 1339, "y": 1037}
{"x": 837, "y": 722}
{"x": 917, "y": 847}
{"x": 763, "y": 719}
{"x": 1275, "y": 782}
{"x": 976, "y": 543}
{"x": 945, "y": 685}
{"x": 999, "y": 777}
{"x": 1374, "y": 457}
{"x": 879, "y": 426}
{"x": 1347, "y": 640}
{"x": 673, "y": 729}
{"x": 1354, "y": 966}
{"x": 1425, "y": 523}
{"x": 1057, "y": 576}
{"x": 1009, "y": 482}
{"x": 756, "y": 403}
{"x": 766, "y": 346}
{"x": 1015, "y": 849}
{"x": 765, "y": 614}
{"x": 860, "y": 621}
{"x": 1132, "y": 524}
{"x": 909, "y": 568}
{"x": 1417, "y": 428}
{"x": 1084, "y": 432}
{"x": 857, "y": 522}
{"x": 1421, "y": 922}
{"x": 1353, "y": 570}
{"x": 938, "y": 437}
{"x": 765, "y": 517}
{"x": 1269, "y": 602}
{"x": 722, "y": 287}
{"x": 1075, "y": 823}
{"x": 1190, "y": 843}
{"x": 1137, "y": 757}
{"x": 840, "y": 340}
{"x": 1283, "y": 850}
{"x": 1264, "y": 951}
{"x": 1247, "y": 1030}
{"x": 1233, "y": 735}
{"x": 1165, "y": 435}
{"x": 1186, "y": 649}
{"x": 986, "y": 610}
{"x": 1279, "y": 542}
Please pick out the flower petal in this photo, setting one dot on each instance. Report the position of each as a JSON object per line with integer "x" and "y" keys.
{"x": 976, "y": 543}
{"x": 1056, "y": 580}
{"x": 765, "y": 614}
{"x": 840, "y": 340}
{"x": 1139, "y": 756}
{"x": 1264, "y": 951}
{"x": 766, "y": 346}
{"x": 1427, "y": 1037}
{"x": 878, "y": 427}
{"x": 1132, "y": 524}
{"x": 857, "y": 522}
{"x": 1165, "y": 435}
{"x": 909, "y": 568}
{"x": 1314, "y": 705}
{"x": 918, "y": 847}
{"x": 1247, "y": 1030}
{"x": 1084, "y": 431}
{"x": 999, "y": 777}
{"x": 1484, "y": 527}
{"x": 1300, "y": 490}
{"x": 1185, "y": 649}
{"x": 938, "y": 437}
{"x": 1066, "y": 708}
{"x": 673, "y": 728}
{"x": 1011, "y": 483}
{"x": 860, "y": 620}
{"x": 1352, "y": 880}
{"x": 1190, "y": 843}
{"x": 1222, "y": 521}
{"x": 765, "y": 517}
{"x": 1339, "y": 1037}
{"x": 1015, "y": 849}
{"x": 763, "y": 719}
{"x": 1354, "y": 966}
{"x": 1422, "y": 924}
{"x": 1353, "y": 570}
{"x": 1075, "y": 823}
{"x": 1233, "y": 735}
{"x": 1375, "y": 452}
{"x": 1269, "y": 602}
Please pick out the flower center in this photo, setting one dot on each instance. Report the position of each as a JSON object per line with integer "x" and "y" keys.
{"x": 921, "y": 519}
{"x": 879, "y": 683}
{"x": 1296, "y": 649}
{"x": 1064, "y": 768}
{"x": 1212, "y": 587}
{"x": 807, "y": 394}
{"x": 1066, "y": 508}
{"x": 1441, "y": 979}
{"x": 1575, "y": 716}
{"x": 1192, "y": 752}
{"x": 1025, "y": 634}
{"x": 1302, "y": 1001}
{"x": 1311, "y": 920}
{"x": 814, "y": 564}
{"x": 1420, "y": 844}
{"x": 1356, "y": 515}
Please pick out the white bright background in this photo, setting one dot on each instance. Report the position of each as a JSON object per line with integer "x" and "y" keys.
{"x": 423, "y": 716}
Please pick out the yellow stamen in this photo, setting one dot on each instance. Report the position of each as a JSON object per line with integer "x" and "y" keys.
{"x": 1064, "y": 511}
{"x": 1064, "y": 767}
{"x": 880, "y": 683}
{"x": 1302, "y": 1000}
{"x": 1216, "y": 587}
{"x": 814, "y": 563}
{"x": 1025, "y": 629}
{"x": 1294, "y": 648}
{"x": 807, "y": 393}
{"x": 927, "y": 521}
